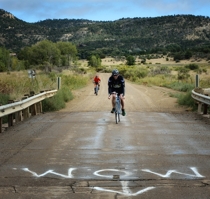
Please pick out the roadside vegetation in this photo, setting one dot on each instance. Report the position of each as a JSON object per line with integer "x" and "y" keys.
{"x": 179, "y": 77}
{"x": 16, "y": 85}
{"x": 50, "y": 60}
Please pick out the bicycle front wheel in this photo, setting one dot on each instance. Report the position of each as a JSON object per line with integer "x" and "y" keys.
{"x": 117, "y": 117}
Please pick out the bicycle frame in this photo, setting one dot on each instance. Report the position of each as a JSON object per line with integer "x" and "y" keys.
{"x": 117, "y": 108}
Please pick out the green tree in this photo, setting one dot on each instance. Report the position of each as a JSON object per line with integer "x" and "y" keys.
{"x": 68, "y": 52}
{"x": 188, "y": 54}
{"x": 94, "y": 61}
{"x": 44, "y": 51}
{"x": 178, "y": 56}
{"x": 130, "y": 60}
{"x": 4, "y": 59}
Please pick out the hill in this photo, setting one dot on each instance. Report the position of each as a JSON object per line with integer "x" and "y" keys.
{"x": 134, "y": 35}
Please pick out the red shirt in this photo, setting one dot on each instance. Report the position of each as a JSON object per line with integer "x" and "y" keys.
{"x": 97, "y": 79}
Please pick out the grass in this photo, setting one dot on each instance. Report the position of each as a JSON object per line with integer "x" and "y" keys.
{"x": 180, "y": 86}
{"x": 166, "y": 75}
{"x": 15, "y": 85}
{"x": 58, "y": 101}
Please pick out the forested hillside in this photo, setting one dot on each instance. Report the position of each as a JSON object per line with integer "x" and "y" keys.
{"x": 133, "y": 35}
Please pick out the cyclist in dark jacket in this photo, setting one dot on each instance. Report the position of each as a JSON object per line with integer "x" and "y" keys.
{"x": 116, "y": 83}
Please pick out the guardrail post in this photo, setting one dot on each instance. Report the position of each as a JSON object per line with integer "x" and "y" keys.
{"x": 197, "y": 80}
{"x": 18, "y": 116}
{"x": 10, "y": 116}
{"x": 26, "y": 110}
{"x": 40, "y": 107}
{"x": 205, "y": 109}
{"x": 199, "y": 107}
{"x": 59, "y": 82}
{"x": 33, "y": 109}
{"x": 26, "y": 113}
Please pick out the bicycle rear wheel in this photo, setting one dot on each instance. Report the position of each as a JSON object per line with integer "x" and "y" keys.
{"x": 96, "y": 90}
{"x": 116, "y": 117}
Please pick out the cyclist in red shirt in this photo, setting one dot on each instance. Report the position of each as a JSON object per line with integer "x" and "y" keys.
{"x": 96, "y": 81}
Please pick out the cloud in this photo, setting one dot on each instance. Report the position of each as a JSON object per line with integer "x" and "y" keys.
{"x": 35, "y": 10}
{"x": 173, "y": 5}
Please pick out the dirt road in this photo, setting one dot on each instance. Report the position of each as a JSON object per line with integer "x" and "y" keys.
{"x": 137, "y": 98}
{"x": 81, "y": 153}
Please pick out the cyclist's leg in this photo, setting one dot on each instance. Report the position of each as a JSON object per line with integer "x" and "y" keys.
{"x": 122, "y": 104}
{"x": 95, "y": 88}
{"x": 122, "y": 101}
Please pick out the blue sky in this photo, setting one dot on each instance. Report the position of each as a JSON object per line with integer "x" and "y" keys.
{"x": 102, "y": 10}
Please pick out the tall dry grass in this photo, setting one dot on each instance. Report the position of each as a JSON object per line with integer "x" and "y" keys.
{"x": 17, "y": 84}
{"x": 14, "y": 85}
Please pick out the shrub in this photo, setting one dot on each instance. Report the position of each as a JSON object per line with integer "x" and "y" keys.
{"x": 186, "y": 100}
{"x": 180, "y": 86}
{"x": 192, "y": 66}
{"x": 4, "y": 98}
{"x": 57, "y": 102}
{"x": 130, "y": 60}
{"x": 183, "y": 74}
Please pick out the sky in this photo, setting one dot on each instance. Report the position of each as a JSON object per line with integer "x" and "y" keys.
{"x": 102, "y": 10}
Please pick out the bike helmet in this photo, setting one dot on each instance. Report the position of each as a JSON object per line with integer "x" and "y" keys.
{"x": 115, "y": 72}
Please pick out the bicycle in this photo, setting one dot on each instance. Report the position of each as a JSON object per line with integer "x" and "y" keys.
{"x": 118, "y": 110}
{"x": 96, "y": 89}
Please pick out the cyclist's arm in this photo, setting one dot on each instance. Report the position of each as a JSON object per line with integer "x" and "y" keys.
{"x": 109, "y": 87}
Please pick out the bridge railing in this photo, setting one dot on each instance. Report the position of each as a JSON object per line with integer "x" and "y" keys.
{"x": 18, "y": 111}
{"x": 202, "y": 98}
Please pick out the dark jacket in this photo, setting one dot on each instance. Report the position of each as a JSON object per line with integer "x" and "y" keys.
{"x": 117, "y": 85}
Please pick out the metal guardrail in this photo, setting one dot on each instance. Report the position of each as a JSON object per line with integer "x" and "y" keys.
{"x": 23, "y": 109}
{"x": 202, "y": 99}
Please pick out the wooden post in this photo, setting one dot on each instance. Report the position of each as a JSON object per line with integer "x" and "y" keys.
{"x": 26, "y": 113}
{"x": 32, "y": 93}
{"x": 205, "y": 109}
{"x": 10, "y": 120}
{"x": 18, "y": 116}
{"x": 33, "y": 109}
{"x": 10, "y": 116}
{"x": 40, "y": 106}
{"x": 199, "y": 107}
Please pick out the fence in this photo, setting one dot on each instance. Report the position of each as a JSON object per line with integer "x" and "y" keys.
{"x": 18, "y": 111}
